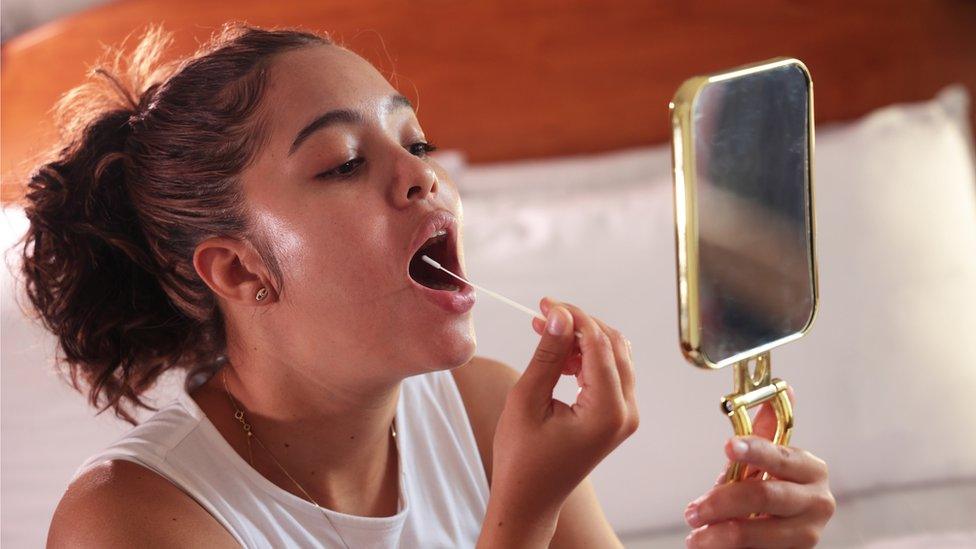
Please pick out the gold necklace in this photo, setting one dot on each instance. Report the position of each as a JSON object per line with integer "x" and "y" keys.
{"x": 239, "y": 416}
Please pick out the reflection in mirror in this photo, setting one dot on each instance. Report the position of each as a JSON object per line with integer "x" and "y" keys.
{"x": 752, "y": 148}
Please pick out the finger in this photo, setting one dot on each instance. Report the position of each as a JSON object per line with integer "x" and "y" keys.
{"x": 765, "y": 421}
{"x": 572, "y": 365}
{"x": 622, "y": 355}
{"x": 546, "y": 303}
{"x": 624, "y": 361}
{"x": 749, "y": 473}
{"x": 741, "y": 499}
{"x": 538, "y": 325}
{"x": 760, "y": 533}
{"x": 535, "y": 386}
{"x": 598, "y": 378}
{"x": 720, "y": 479}
{"x": 782, "y": 462}
{"x": 764, "y": 424}
{"x": 752, "y": 472}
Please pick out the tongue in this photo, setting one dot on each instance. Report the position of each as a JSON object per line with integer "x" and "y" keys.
{"x": 428, "y": 276}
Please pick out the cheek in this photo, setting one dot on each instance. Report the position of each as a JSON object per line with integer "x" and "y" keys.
{"x": 300, "y": 247}
{"x": 335, "y": 262}
{"x": 294, "y": 250}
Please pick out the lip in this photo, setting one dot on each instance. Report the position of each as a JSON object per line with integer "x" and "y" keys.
{"x": 430, "y": 224}
{"x": 458, "y": 302}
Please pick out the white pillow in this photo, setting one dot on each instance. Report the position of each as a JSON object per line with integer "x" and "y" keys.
{"x": 884, "y": 380}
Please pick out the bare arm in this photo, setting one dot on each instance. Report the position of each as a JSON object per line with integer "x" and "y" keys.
{"x": 582, "y": 522}
{"x": 484, "y": 386}
{"x": 123, "y": 504}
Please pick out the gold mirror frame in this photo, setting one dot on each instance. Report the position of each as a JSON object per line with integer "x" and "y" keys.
{"x": 750, "y": 388}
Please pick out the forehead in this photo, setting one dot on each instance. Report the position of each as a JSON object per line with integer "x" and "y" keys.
{"x": 308, "y": 81}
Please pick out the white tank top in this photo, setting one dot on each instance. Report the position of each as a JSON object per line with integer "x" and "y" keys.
{"x": 443, "y": 489}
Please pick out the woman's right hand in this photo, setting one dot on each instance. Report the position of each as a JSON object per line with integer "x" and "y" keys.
{"x": 544, "y": 448}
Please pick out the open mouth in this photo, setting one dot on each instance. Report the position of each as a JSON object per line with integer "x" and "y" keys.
{"x": 442, "y": 248}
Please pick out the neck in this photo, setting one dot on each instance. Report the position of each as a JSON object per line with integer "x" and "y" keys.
{"x": 333, "y": 438}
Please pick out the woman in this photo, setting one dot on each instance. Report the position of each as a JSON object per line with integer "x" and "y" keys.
{"x": 255, "y": 214}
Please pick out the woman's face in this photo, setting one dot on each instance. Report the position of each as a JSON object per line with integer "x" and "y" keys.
{"x": 345, "y": 202}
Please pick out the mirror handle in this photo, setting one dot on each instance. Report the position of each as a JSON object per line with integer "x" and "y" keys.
{"x": 752, "y": 389}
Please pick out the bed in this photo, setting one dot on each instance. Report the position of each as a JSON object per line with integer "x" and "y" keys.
{"x": 564, "y": 110}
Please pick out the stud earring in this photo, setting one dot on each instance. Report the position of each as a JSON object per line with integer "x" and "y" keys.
{"x": 262, "y": 293}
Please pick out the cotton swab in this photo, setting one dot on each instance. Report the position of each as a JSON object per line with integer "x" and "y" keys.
{"x": 499, "y": 297}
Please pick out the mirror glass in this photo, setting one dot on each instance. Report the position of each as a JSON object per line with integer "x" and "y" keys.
{"x": 751, "y": 154}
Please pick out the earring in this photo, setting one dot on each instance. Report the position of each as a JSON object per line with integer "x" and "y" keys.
{"x": 262, "y": 293}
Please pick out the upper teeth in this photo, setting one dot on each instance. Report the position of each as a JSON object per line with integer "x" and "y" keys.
{"x": 430, "y": 241}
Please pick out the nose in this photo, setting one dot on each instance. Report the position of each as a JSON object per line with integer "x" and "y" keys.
{"x": 415, "y": 179}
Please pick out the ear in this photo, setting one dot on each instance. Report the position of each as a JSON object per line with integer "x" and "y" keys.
{"x": 232, "y": 269}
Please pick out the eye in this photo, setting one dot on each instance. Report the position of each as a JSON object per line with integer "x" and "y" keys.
{"x": 421, "y": 149}
{"x": 343, "y": 170}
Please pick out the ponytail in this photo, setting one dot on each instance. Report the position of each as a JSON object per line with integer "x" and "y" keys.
{"x": 89, "y": 274}
{"x": 150, "y": 168}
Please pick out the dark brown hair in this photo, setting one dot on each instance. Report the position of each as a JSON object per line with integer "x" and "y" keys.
{"x": 148, "y": 167}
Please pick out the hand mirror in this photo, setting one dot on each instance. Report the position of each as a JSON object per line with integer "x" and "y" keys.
{"x": 742, "y": 152}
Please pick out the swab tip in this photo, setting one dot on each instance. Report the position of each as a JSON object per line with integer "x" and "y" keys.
{"x": 430, "y": 261}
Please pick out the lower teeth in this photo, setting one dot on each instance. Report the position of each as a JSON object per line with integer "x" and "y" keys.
{"x": 442, "y": 286}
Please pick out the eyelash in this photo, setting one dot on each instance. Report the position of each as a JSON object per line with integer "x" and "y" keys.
{"x": 351, "y": 166}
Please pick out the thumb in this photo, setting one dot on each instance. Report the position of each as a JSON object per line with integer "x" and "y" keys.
{"x": 534, "y": 388}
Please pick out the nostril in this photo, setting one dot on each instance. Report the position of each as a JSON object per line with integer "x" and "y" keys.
{"x": 413, "y": 190}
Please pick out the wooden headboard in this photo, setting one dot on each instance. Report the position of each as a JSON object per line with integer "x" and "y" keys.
{"x": 513, "y": 79}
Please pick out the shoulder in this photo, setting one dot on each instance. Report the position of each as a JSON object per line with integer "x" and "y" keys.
{"x": 484, "y": 385}
{"x": 123, "y": 504}
{"x": 485, "y": 379}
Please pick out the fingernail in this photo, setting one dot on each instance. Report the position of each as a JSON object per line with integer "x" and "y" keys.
{"x": 556, "y": 324}
{"x": 691, "y": 516}
{"x": 739, "y": 447}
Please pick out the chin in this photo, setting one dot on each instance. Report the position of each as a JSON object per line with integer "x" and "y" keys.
{"x": 454, "y": 346}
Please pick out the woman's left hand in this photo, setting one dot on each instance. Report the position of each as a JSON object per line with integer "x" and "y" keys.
{"x": 793, "y": 505}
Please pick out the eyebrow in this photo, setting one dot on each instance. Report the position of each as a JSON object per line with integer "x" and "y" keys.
{"x": 344, "y": 116}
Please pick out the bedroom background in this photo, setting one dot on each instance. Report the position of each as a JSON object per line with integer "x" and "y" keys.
{"x": 548, "y": 111}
